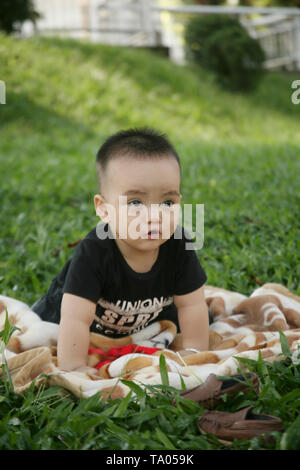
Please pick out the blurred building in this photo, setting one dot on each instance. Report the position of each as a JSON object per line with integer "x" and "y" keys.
{"x": 116, "y": 22}
{"x": 140, "y": 23}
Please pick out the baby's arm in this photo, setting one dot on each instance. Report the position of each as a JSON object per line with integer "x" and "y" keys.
{"x": 77, "y": 315}
{"x": 193, "y": 319}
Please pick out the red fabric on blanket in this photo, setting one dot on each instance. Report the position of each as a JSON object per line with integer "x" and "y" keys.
{"x": 116, "y": 352}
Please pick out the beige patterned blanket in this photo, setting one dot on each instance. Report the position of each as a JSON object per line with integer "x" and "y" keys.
{"x": 242, "y": 327}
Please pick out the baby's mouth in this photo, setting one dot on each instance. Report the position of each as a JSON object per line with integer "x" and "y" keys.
{"x": 153, "y": 234}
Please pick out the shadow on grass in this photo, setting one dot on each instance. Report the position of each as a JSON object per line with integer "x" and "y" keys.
{"x": 24, "y": 111}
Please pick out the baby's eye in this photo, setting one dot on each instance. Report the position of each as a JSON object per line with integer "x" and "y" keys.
{"x": 170, "y": 203}
{"x": 131, "y": 203}
{"x": 136, "y": 202}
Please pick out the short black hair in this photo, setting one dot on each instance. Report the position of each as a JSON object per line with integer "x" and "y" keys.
{"x": 142, "y": 143}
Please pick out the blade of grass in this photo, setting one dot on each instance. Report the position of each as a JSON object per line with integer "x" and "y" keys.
{"x": 285, "y": 347}
{"x": 123, "y": 406}
{"x": 163, "y": 370}
{"x": 8, "y": 330}
{"x": 135, "y": 388}
{"x": 5, "y": 335}
{"x": 164, "y": 439}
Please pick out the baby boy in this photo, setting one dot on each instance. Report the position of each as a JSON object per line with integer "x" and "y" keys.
{"x": 133, "y": 268}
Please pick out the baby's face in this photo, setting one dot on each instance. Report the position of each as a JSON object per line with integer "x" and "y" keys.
{"x": 141, "y": 196}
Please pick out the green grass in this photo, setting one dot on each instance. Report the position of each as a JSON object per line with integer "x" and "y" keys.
{"x": 240, "y": 158}
{"x": 53, "y": 419}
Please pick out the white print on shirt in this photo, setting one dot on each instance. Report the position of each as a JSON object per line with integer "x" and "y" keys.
{"x": 125, "y": 317}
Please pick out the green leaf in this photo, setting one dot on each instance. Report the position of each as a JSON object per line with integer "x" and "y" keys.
{"x": 5, "y": 371}
{"x": 145, "y": 415}
{"x": 115, "y": 429}
{"x": 285, "y": 347}
{"x": 109, "y": 411}
{"x": 249, "y": 363}
{"x": 123, "y": 406}
{"x": 163, "y": 370}
{"x": 261, "y": 366}
{"x": 189, "y": 404}
{"x": 8, "y": 330}
{"x": 140, "y": 393}
{"x": 164, "y": 439}
{"x": 293, "y": 396}
{"x": 183, "y": 386}
{"x": 5, "y": 335}
{"x": 291, "y": 438}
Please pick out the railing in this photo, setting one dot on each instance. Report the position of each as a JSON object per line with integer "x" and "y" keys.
{"x": 152, "y": 23}
{"x": 279, "y": 36}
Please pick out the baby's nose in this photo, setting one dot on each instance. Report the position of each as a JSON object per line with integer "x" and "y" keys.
{"x": 154, "y": 212}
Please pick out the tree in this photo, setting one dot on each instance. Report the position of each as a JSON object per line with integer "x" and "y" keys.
{"x": 220, "y": 43}
{"x": 14, "y": 12}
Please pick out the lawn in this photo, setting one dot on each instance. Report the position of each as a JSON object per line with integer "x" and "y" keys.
{"x": 240, "y": 158}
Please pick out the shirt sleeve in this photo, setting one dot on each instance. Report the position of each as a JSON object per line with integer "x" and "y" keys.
{"x": 190, "y": 275}
{"x": 84, "y": 276}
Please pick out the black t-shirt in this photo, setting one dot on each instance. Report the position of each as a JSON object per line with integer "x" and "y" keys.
{"x": 128, "y": 301}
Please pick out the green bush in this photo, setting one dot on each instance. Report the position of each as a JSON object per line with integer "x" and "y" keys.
{"x": 221, "y": 44}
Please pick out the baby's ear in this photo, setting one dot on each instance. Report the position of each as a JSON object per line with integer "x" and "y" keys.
{"x": 99, "y": 206}
{"x": 99, "y": 212}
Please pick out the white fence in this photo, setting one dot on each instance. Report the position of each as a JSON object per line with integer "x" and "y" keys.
{"x": 148, "y": 23}
{"x": 116, "y": 22}
{"x": 279, "y": 36}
